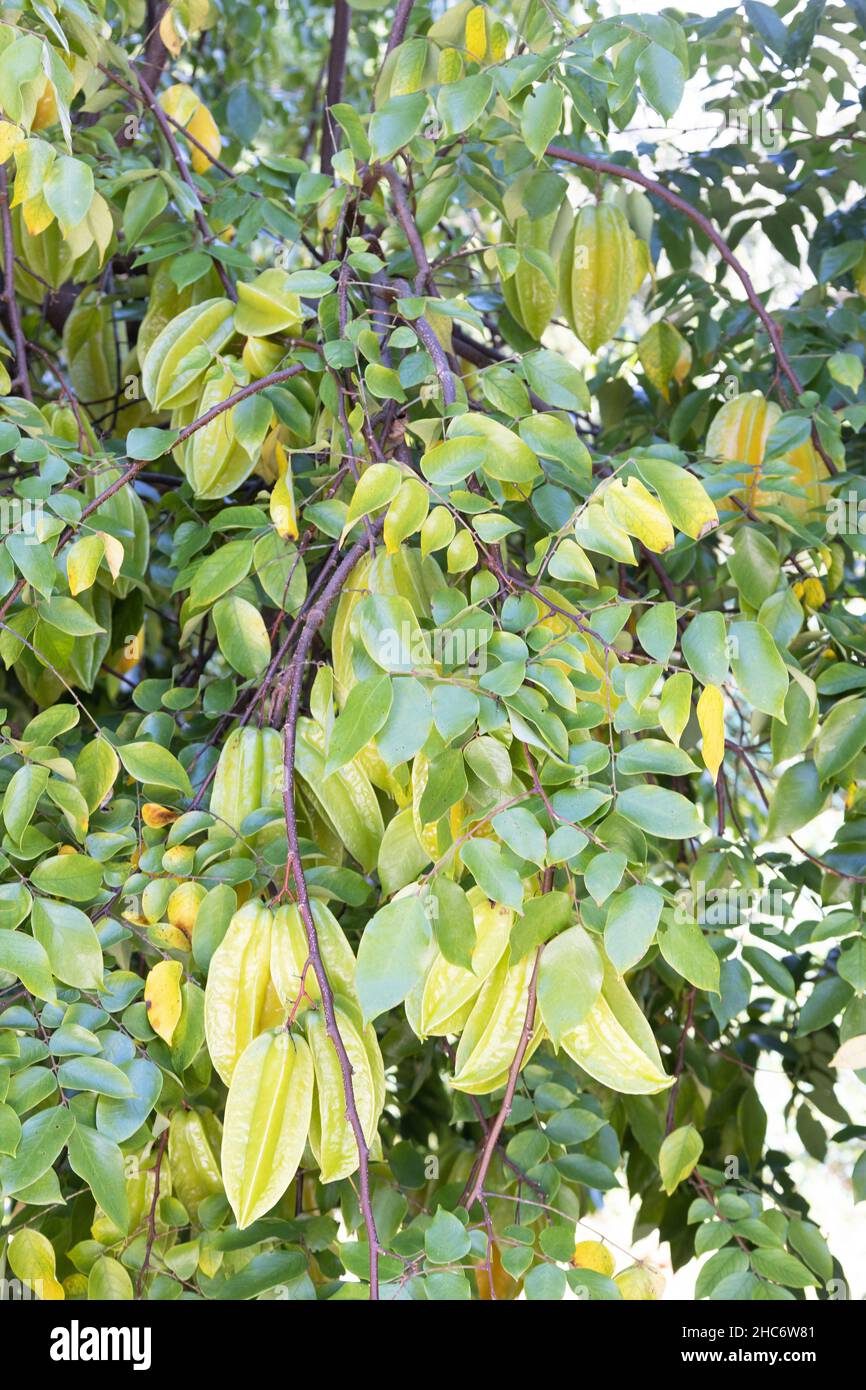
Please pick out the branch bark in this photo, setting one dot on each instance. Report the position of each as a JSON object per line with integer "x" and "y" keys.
{"x": 335, "y": 82}
{"x": 313, "y": 621}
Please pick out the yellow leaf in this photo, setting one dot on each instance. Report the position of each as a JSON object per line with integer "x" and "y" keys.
{"x": 82, "y": 563}
{"x": 711, "y": 718}
{"x": 113, "y": 552}
{"x": 32, "y": 1259}
{"x": 10, "y": 139}
{"x": 633, "y": 507}
{"x": 282, "y": 505}
{"x": 37, "y": 215}
{"x": 163, "y": 999}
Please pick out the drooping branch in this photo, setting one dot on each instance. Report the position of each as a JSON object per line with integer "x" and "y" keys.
{"x": 312, "y": 623}
{"x": 620, "y": 171}
{"x": 9, "y": 289}
{"x": 477, "y": 1186}
{"x": 180, "y": 163}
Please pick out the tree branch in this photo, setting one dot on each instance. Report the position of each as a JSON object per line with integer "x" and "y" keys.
{"x": 335, "y": 82}
{"x": 313, "y": 621}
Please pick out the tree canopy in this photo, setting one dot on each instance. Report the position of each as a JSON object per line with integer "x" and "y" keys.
{"x": 433, "y": 768}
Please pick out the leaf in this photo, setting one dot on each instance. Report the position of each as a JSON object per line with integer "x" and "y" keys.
{"x": 446, "y": 1240}
{"x": 393, "y": 954}
{"x": 43, "y": 1137}
{"x": 631, "y": 924}
{"x": 453, "y": 922}
{"x": 662, "y": 78}
{"x": 782, "y": 1268}
{"x": 27, "y": 960}
{"x": 364, "y": 713}
{"x": 99, "y": 1162}
{"x": 162, "y": 998}
{"x": 796, "y": 800}
{"x": 460, "y": 104}
{"x": 94, "y": 1074}
{"x": 758, "y": 668}
{"x": 841, "y": 738}
{"x": 520, "y": 831}
{"x": 678, "y": 1156}
{"x": 395, "y": 124}
{"x": 149, "y": 443}
{"x": 685, "y": 948}
{"x": 711, "y": 718}
{"x": 570, "y": 978}
{"x": 665, "y": 814}
{"x": 33, "y": 1261}
{"x": 541, "y": 118}
{"x": 705, "y": 648}
{"x": 242, "y": 635}
{"x": 21, "y": 798}
{"x": 68, "y": 191}
{"x": 154, "y": 765}
{"x": 70, "y": 943}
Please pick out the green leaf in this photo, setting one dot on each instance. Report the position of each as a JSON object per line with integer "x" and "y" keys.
{"x": 631, "y": 924}
{"x": 396, "y": 123}
{"x": 364, "y": 713}
{"x": 662, "y": 78}
{"x": 99, "y": 1162}
{"x": 446, "y": 1240}
{"x": 242, "y": 635}
{"x": 68, "y": 190}
{"x": 70, "y": 943}
{"x": 460, "y": 104}
{"x": 28, "y": 961}
{"x": 492, "y": 873}
{"x": 782, "y": 1268}
{"x": 665, "y": 814}
{"x": 705, "y": 648}
{"x": 393, "y": 954}
{"x": 570, "y": 977}
{"x": 758, "y": 668}
{"x": 796, "y": 800}
{"x": 453, "y": 922}
{"x": 685, "y": 948}
{"x": 149, "y": 443}
{"x": 841, "y": 738}
{"x": 21, "y": 798}
{"x": 678, "y": 1156}
{"x": 542, "y": 918}
{"x": 541, "y": 118}
{"x": 155, "y": 766}
{"x": 43, "y": 1137}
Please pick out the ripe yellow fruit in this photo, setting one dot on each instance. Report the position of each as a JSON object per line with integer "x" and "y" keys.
{"x": 593, "y": 1254}
{"x": 598, "y": 273}
{"x": 739, "y": 433}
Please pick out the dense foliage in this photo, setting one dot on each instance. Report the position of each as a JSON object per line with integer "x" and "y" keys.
{"x": 431, "y": 615}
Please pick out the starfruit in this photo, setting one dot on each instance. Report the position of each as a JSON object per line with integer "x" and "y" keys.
{"x": 213, "y": 460}
{"x": 598, "y": 269}
{"x": 529, "y": 296}
{"x": 177, "y": 361}
{"x": 402, "y": 575}
{"x": 240, "y": 1001}
{"x": 165, "y": 302}
{"x": 249, "y": 776}
{"x": 332, "y": 1139}
{"x": 491, "y": 1036}
{"x": 615, "y": 1044}
{"x": 267, "y": 1120}
{"x": 194, "y": 1141}
{"x": 266, "y": 306}
{"x": 91, "y": 349}
{"x": 739, "y": 433}
{"x": 346, "y": 797}
{"x": 290, "y": 952}
{"x": 665, "y": 357}
{"x": 442, "y": 1003}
